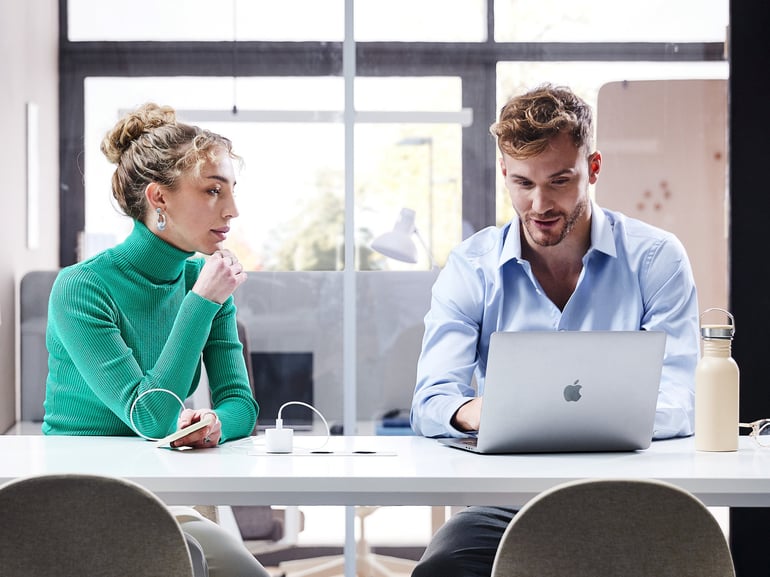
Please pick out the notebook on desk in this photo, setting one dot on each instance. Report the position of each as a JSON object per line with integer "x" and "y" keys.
{"x": 569, "y": 391}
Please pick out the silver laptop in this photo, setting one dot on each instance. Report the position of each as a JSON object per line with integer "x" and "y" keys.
{"x": 568, "y": 391}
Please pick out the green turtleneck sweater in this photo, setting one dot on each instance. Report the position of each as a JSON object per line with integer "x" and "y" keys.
{"x": 125, "y": 321}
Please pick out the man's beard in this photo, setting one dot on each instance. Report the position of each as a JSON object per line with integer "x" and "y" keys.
{"x": 546, "y": 239}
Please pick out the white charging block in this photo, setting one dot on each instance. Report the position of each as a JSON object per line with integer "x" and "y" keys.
{"x": 280, "y": 439}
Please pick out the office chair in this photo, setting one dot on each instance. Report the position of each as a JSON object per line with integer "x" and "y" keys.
{"x": 74, "y": 525}
{"x": 614, "y": 528}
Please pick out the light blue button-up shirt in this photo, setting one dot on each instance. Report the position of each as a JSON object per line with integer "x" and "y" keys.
{"x": 634, "y": 277}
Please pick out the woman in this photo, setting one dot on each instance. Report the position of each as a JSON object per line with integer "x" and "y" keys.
{"x": 128, "y": 328}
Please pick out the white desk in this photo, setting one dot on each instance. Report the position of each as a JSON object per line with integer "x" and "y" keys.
{"x": 421, "y": 472}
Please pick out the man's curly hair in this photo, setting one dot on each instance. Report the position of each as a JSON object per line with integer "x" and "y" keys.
{"x": 529, "y": 121}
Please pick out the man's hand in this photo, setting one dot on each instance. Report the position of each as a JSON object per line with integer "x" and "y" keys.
{"x": 468, "y": 416}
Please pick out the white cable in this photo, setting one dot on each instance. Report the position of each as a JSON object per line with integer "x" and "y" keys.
{"x": 133, "y": 406}
{"x": 317, "y": 412}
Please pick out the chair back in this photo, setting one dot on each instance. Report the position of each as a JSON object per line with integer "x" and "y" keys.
{"x": 76, "y": 525}
{"x": 614, "y": 528}
{"x": 34, "y": 293}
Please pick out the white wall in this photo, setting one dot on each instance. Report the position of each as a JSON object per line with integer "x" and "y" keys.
{"x": 28, "y": 72}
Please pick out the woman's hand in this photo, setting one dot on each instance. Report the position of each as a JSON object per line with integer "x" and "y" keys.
{"x": 219, "y": 277}
{"x": 204, "y": 438}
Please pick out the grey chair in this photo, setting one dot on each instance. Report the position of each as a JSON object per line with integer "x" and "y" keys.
{"x": 73, "y": 525}
{"x": 34, "y": 291}
{"x": 614, "y": 528}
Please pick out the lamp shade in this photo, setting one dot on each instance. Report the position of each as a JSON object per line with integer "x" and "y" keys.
{"x": 398, "y": 243}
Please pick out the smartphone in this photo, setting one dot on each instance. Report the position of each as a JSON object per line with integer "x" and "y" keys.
{"x": 208, "y": 419}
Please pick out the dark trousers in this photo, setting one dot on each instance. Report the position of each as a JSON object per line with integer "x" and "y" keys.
{"x": 466, "y": 544}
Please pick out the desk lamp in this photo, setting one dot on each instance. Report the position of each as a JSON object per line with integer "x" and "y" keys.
{"x": 398, "y": 244}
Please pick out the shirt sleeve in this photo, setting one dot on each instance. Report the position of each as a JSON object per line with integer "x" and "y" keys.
{"x": 671, "y": 305}
{"x": 90, "y": 328}
{"x": 449, "y": 350}
{"x": 231, "y": 395}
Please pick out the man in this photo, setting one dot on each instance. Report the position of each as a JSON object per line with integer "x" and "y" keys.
{"x": 562, "y": 263}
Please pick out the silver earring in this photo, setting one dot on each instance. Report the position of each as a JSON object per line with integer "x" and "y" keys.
{"x": 161, "y": 219}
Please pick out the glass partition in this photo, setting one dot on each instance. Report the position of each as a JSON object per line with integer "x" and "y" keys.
{"x": 429, "y": 78}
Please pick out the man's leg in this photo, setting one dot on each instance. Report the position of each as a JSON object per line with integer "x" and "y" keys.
{"x": 466, "y": 544}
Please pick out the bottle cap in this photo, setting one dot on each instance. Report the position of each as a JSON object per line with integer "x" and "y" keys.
{"x": 718, "y": 331}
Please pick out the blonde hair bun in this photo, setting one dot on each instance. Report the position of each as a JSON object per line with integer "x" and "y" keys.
{"x": 132, "y": 126}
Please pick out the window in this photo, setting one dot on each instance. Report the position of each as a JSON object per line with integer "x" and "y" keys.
{"x": 611, "y": 21}
{"x": 290, "y": 192}
{"x": 587, "y": 78}
{"x": 284, "y": 21}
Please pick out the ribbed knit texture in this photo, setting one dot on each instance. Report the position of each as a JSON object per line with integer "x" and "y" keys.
{"x": 125, "y": 321}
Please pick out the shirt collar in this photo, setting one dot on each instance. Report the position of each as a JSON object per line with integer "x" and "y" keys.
{"x": 602, "y": 238}
{"x": 151, "y": 255}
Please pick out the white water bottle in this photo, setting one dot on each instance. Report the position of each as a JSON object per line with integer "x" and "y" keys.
{"x": 717, "y": 389}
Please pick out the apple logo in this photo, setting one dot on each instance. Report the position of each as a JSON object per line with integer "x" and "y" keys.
{"x": 572, "y": 392}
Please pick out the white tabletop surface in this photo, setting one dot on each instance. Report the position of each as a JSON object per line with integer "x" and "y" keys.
{"x": 404, "y": 470}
